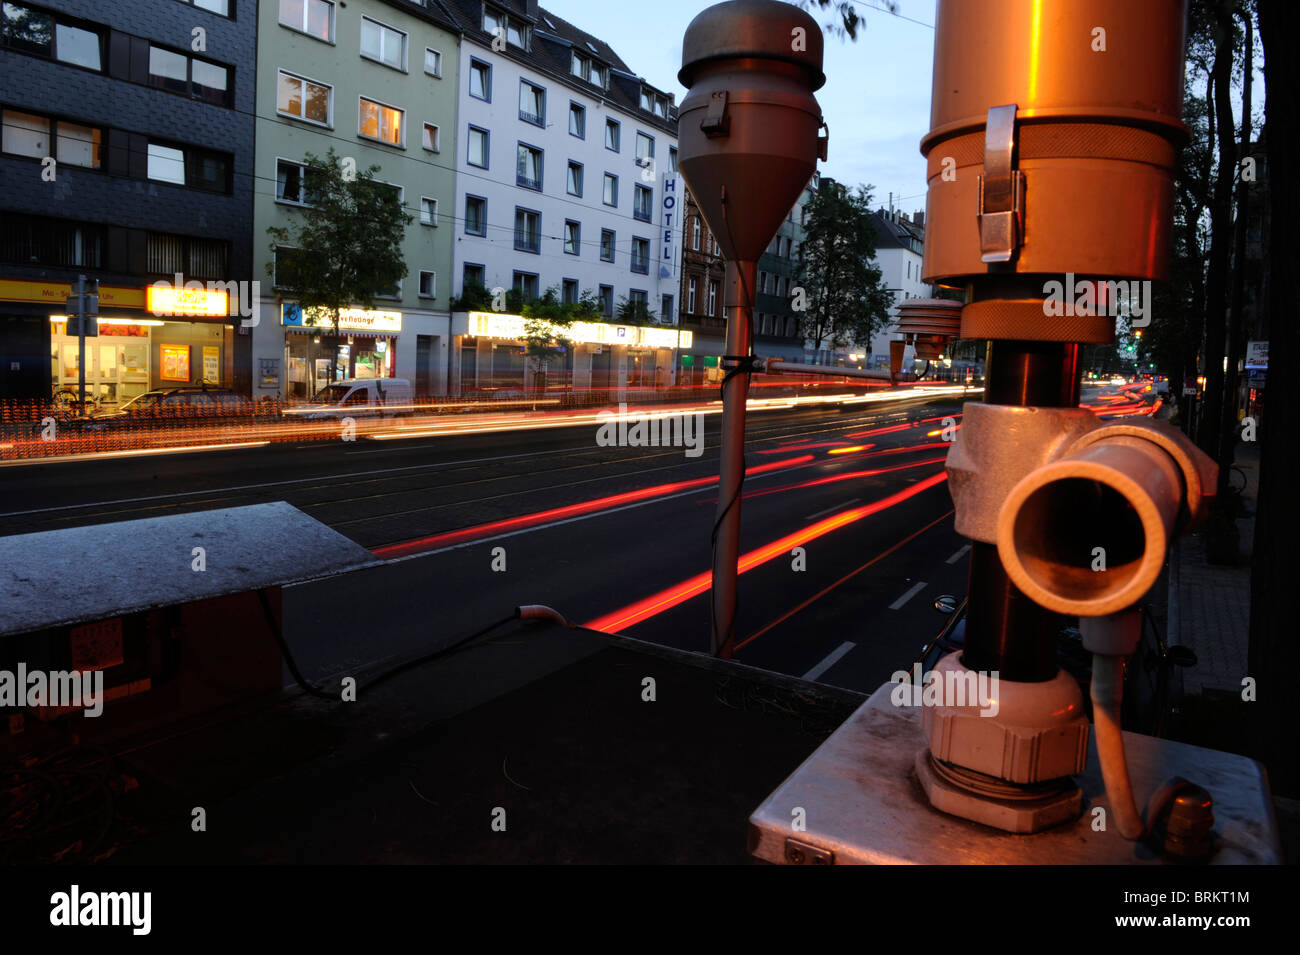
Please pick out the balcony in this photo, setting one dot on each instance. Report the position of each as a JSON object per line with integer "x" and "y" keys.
{"x": 524, "y": 182}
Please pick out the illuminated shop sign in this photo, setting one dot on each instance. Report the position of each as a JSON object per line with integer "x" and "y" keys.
{"x": 513, "y": 328}
{"x": 164, "y": 299}
{"x": 292, "y": 315}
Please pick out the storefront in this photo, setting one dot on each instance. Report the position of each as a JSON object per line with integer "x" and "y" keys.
{"x": 136, "y": 350}
{"x": 490, "y": 356}
{"x": 367, "y": 347}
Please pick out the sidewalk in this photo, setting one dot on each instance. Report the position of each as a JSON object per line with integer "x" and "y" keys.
{"x": 1214, "y": 599}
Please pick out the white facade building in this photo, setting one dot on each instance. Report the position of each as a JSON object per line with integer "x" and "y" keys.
{"x": 900, "y": 242}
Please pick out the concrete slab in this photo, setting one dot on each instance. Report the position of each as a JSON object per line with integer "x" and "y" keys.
{"x": 56, "y": 578}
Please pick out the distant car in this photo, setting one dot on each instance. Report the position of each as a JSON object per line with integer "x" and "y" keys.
{"x": 164, "y": 406}
{"x": 1117, "y": 380}
{"x": 357, "y": 397}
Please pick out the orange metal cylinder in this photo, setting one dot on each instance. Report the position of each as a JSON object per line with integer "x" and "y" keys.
{"x": 1097, "y": 86}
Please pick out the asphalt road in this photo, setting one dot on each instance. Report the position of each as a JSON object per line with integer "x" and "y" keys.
{"x": 604, "y": 534}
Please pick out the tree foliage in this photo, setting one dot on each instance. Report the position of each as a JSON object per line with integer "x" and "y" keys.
{"x": 344, "y": 248}
{"x": 845, "y": 300}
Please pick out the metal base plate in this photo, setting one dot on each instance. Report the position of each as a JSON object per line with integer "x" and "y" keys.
{"x": 858, "y": 799}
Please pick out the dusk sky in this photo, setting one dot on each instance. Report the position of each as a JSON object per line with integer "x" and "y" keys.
{"x": 876, "y": 99}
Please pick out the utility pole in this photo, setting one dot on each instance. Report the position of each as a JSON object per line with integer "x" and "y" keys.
{"x": 83, "y": 309}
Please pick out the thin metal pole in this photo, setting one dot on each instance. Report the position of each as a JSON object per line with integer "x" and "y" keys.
{"x": 81, "y": 345}
{"x": 740, "y": 278}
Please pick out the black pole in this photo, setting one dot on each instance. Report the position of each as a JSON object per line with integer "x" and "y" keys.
{"x": 1005, "y": 630}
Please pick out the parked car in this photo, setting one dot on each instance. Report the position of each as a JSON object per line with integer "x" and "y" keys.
{"x": 164, "y": 406}
{"x": 357, "y": 397}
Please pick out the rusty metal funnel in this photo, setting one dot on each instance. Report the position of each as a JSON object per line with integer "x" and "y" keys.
{"x": 748, "y": 130}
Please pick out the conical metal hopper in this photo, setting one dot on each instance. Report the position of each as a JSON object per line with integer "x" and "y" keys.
{"x": 748, "y": 129}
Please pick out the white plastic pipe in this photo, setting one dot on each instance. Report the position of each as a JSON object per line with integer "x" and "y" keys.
{"x": 1107, "y": 692}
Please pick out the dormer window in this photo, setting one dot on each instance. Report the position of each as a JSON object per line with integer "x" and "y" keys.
{"x": 653, "y": 102}
{"x": 514, "y": 30}
{"x": 586, "y": 68}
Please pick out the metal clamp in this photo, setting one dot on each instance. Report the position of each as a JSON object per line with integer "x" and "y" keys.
{"x": 716, "y": 122}
{"x": 1002, "y": 189}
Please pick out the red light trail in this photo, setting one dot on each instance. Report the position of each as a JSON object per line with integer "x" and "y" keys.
{"x": 656, "y": 604}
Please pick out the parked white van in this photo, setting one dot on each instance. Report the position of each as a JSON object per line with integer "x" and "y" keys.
{"x": 356, "y": 398}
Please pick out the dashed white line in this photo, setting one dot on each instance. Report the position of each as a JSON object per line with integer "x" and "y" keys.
{"x": 832, "y": 658}
{"x": 959, "y": 555}
{"x": 842, "y": 504}
{"x": 916, "y": 589}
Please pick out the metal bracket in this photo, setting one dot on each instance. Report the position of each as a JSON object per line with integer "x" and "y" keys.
{"x": 716, "y": 122}
{"x": 803, "y": 853}
{"x": 1002, "y": 188}
{"x": 824, "y": 142}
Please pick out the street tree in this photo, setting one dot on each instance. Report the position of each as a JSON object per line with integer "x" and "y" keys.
{"x": 344, "y": 247}
{"x": 838, "y": 284}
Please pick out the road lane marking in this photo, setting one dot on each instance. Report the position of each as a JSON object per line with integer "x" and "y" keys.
{"x": 851, "y": 501}
{"x": 959, "y": 555}
{"x": 916, "y": 589}
{"x": 832, "y": 658}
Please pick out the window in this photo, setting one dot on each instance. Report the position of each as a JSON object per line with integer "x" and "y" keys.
{"x": 432, "y": 62}
{"x": 208, "y": 170}
{"x": 166, "y": 164}
{"x": 527, "y": 283}
{"x": 201, "y": 258}
{"x": 428, "y": 284}
{"x": 480, "y": 80}
{"x": 653, "y": 102}
{"x": 528, "y": 167}
{"x": 641, "y": 256}
{"x": 283, "y": 264}
{"x": 606, "y": 245}
{"x": 577, "y": 121}
{"x": 574, "y": 185}
{"x": 472, "y": 275}
{"x": 642, "y": 200}
{"x": 762, "y": 282}
{"x": 513, "y": 31}
{"x": 611, "y": 134}
{"x": 607, "y": 300}
{"x": 665, "y": 307}
{"x": 586, "y": 68}
{"x": 475, "y": 215}
{"x": 532, "y": 103}
{"x": 672, "y": 160}
{"x": 432, "y": 137}
{"x": 428, "y": 211}
{"x": 611, "y": 190}
{"x": 713, "y": 298}
{"x": 572, "y": 237}
{"x": 383, "y": 44}
{"x": 26, "y": 135}
{"x": 569, "y": 293}
{"x": 187, "y": 76}
{"x": 313, "y": 17}
{"x": 302, "y": 99}
{"x": 695, "y": 233}
{"x": 79, "y": 145}
{"x": 384, "y": 123}
{"x": 690, "y": 296}
{"x": 528, "y": 230}
{"x": 645, "y": 148}
{"x": 215, "y": 6}
{"x": 36, "y": 240}
{"x": 478, "y": 147}
{"x": 29, "y": 30}
{"x": 291, "y": 182}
